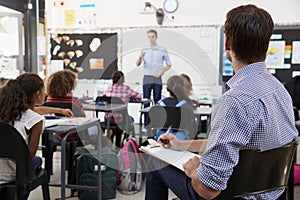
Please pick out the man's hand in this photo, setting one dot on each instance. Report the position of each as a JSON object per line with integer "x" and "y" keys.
{"x": 158, "y": 74}
{"x": 191, "y": 165}
{"x": 169, "y": 140}
{"x": 67, "y": 112}
{"x": 142, "y": 54}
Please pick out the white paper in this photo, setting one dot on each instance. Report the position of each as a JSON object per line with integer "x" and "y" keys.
{"x": 275, "y": 55}
{"x": 173, "y": 157}
{"x": 296, "y": 52}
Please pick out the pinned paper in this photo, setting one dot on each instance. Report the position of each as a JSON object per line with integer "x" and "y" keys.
{"x": 70, "y": 17}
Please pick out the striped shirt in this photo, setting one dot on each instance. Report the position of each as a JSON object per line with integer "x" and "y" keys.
{"x": 256, "y": 113}
{"x": 68, "y": 99}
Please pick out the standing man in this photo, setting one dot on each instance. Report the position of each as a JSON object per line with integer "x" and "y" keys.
{"x": 255, "y": 113}
{"x": 153, "y": 58}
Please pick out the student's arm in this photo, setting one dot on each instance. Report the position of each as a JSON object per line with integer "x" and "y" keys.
{"x": 34, "y": 137}
{"x": 188, "y": 145}
{"x": 140, "y": 58}
{"x": 43, "y": 110}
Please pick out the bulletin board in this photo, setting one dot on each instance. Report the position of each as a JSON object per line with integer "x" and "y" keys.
{"x": 283, "y": 56}
{"x": 92, "y": 56}
{"x": 290, "y": 35}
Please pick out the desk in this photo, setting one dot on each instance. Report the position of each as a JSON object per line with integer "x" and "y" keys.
{"x": 109, "y": 109}
{"x": 200, "y": 111}
{"x": 74, "y": 125}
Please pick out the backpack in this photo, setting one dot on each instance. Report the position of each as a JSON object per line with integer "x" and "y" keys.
{"x": 130, "y": 168}
{"x": 87, "y": 173}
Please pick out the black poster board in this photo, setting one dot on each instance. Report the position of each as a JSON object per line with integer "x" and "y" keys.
{"x": 288, "y": 34}
{"x": 92, "y": 56}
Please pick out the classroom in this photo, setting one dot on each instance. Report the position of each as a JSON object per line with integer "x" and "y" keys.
{"x": 149, "y": 99}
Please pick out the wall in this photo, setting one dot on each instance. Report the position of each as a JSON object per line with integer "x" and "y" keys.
{"x": 190, "y": 12}
{"x": 115, "y": 13}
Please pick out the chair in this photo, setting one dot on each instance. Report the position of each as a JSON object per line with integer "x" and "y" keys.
{"x": 180, "y": 118}
{"x": 51, "y": 141}
{"x": 26, "y": 179}
{"x": 260, "y": 172}
{"x": 120, "y": 126}
{"x": 293, "y": 87}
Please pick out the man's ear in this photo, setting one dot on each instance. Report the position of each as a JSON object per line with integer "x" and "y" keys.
{"x": 227, "y": 43}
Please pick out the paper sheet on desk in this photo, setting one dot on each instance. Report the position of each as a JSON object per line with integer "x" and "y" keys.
{"x": 173, "y": 157}
{"x": 66, "y": 121}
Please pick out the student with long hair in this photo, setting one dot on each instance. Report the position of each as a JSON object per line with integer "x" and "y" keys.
{"x": 178, "y": 96}
{"x": 17, "y": 102}
{"x": 124, "y": 92}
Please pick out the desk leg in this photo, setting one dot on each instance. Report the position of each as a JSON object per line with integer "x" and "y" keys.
{"x": 108, "y": 125}
{"x": 140, "y": 128}
{"x": 63, "y": 166}
{"x": 127, "y": 125}
{"x": 99, "y": 162}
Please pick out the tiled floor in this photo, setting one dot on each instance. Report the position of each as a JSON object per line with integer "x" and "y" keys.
{"x": 55, "y": 191}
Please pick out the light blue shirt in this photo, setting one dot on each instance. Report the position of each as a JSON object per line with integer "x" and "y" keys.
{"x": 154, "y": 59}
{"x": 255, "y": 112}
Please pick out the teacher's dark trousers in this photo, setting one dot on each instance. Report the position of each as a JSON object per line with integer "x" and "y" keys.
{"x": 150, "y": 83}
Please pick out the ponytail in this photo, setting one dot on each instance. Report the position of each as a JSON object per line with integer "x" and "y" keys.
{"x": 13, "y": 101}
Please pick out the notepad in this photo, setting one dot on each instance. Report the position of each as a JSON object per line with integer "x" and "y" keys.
{"x": 173, "y": 157}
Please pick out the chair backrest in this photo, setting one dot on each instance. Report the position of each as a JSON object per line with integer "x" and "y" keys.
{"x": 180, "y": 118}
{"x": 259, "y": 172}
{"x": 75, "y": 110}
{"x": 293, "y": 87}
{"x": 110, "y": 100}
{"x": 114, "y": 100}
{"x": 14, "y": 147}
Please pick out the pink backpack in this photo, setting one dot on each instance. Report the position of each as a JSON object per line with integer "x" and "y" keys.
{"x": 130, "y": 168}
{"x": 296, "y": 174}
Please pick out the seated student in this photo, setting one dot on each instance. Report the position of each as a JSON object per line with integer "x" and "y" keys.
{"x": 124, "y": 92}
{"x": 188, "y": 87}
{"x": 255, "y": 112}
{"x": 20, "y": 114}
{"x": 178, "y": 98}
{"x": 59, "y": 88}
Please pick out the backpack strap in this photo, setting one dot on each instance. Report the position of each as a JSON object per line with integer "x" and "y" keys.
{"x": 135, "y": 149}
{"x": 181, "y": 103}
{"x": 161, "y": 103}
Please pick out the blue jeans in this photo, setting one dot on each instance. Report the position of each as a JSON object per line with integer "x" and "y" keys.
{"x": 161, "y": 177}
{"x": 150, "y": 83}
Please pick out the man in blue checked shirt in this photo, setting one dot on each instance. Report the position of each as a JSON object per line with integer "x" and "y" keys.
{"x": 156, "y": 61}
{"x": 255, "y": 112}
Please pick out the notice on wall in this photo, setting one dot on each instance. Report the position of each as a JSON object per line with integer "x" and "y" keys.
{"x": 275, "y": 55}
{"x": 296, "y": 52}
{"x": 72, "y": 13}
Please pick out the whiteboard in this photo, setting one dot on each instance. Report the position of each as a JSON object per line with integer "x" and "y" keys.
{"x": 192, "y": 50}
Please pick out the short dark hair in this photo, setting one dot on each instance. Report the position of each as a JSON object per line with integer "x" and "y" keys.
{"x": 152, "y": 31}
{"x": 249, "y": 29}
{"x": 118, "y": 77}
